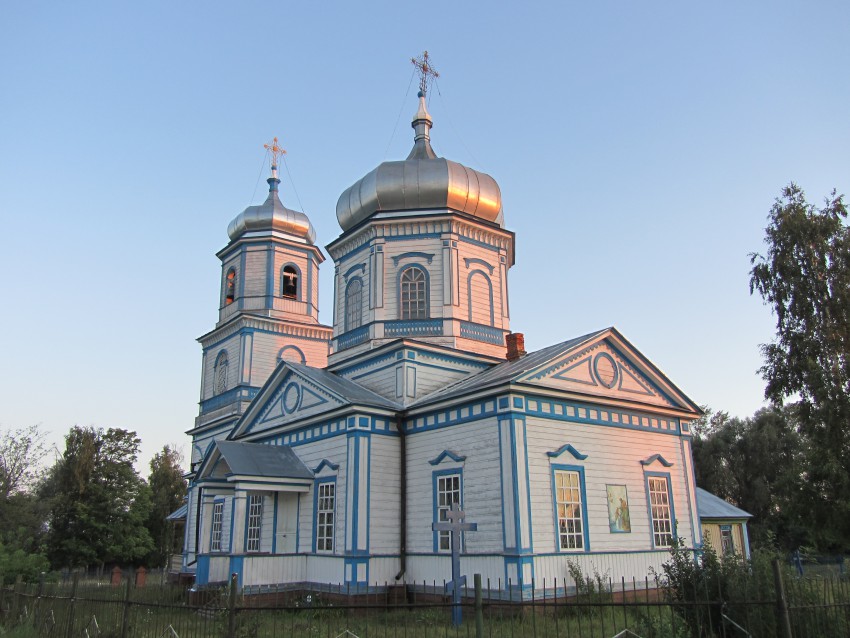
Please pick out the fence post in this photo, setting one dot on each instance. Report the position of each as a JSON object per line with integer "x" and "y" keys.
{"x": 72, "y": 603}
{"x": 781, "y": 602}
{"x": 479, "y": 607}
{"x": 125, "y": 612}
{"x": 16, "y": 599}
{"x": 231, "y": 606}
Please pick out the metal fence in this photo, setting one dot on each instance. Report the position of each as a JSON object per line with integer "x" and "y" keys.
{"x": 783, "y": 606}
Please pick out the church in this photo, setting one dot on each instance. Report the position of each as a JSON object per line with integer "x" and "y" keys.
{"x": 322, "y": 455}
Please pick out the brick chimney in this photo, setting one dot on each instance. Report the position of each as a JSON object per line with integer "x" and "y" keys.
{"x": 516, "y": 345}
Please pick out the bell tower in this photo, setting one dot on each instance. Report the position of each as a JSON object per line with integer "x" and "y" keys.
{"x": 268, "y": 307}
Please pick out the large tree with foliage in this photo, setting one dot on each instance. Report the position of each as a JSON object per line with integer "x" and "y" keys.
{"x": 168, "y": 488}
{"x": 804, "y": 277}
{"x": 22, "y": 513}
{"x": 757, "y": 464}
{"x": 100, "y": 504}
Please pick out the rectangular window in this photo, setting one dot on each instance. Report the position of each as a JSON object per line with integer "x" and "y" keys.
{"x": 570, "y": 511}
{"x": 325, "y": 501}
{"x": 660, "y": 510}
{"x": 255, "y": 522}
{"x": 727, "y": 545}
{"x": 448, "y": 493}
{"x": 215, "y": 537}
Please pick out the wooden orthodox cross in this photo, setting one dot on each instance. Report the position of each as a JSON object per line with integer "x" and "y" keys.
{"x": 455, "y": 525}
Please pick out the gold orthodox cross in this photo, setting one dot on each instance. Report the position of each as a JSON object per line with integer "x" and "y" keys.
{"x": 427, "y": 73}
{"x": 275, "y": 149}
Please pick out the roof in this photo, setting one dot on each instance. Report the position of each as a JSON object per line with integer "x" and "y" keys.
{"x": 504, "y": 372}
{"x": 710, "y": 506}
{"x": 350, "y": 391}
{"x": 179, "y": 514}
{"x": 258, "y": 459}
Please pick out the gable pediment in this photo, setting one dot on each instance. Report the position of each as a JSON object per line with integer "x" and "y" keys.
{"x": 292, "y": 398}
{"x": 608, "y": 367}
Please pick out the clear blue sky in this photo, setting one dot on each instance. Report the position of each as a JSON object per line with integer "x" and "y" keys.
{"x": 638, "y": 147}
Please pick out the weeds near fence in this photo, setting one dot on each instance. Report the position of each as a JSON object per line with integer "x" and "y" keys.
{"x": 710, "y": 597}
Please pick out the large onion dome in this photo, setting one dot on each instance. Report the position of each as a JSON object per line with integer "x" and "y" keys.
{"x": 272, "y": 215}
{"x": 421, "y": 181}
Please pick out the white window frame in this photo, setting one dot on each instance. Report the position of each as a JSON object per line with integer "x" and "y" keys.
{"x": 659, "y": 497}
{"x": 215, "y": 532}
{"x": 325, "y": 516}
{"x": 448, "y": 489}
{"x": 568, "y": 496}
{"x": 253, "y": 533}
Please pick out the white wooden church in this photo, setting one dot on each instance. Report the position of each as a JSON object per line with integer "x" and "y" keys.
{"x": 322, "y": 455}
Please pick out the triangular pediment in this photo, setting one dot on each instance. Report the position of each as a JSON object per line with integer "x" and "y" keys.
{"x": 608, "y": 366}
{"x": 288, "y": 398}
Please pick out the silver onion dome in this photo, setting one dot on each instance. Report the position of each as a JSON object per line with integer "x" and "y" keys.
{"x": 272, "y": 215}
{"x": 423, "y": 180}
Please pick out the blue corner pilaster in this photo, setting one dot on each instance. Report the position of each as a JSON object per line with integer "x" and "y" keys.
{"x": 516, "y": 500}
{"x": 357, "y": 500}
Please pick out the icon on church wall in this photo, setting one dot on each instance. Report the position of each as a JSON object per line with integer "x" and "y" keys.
{"x": 618, "y": 509}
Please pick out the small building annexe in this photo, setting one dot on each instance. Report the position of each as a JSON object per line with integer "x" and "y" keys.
{"x": 323, "y": 454}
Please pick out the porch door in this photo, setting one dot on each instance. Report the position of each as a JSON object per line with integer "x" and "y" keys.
{"x": 287, "y": 522}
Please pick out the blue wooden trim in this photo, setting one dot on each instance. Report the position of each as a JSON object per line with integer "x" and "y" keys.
{"x": 274, "y": 523}
{"x": 436, "y": 474}
{"x": 457, "y": 458}
{"x": 413, "y": 328}
{"x": 399, "y": 275}
{"x": 502, "y": 461}
{"x": 298, "y": 523}
{"x": 511, "y": 423}
{"x": 360, "y": 267}
{"x": 527, "y": 490}
{"x": 475, "y": 260}
{"x": 325, "y": 463}
{"x": 232, "y": 517}
{"x": 584, "y": 522}
{"x": 656, "y": 457}
{"x": 299, "y": 291}
{"x": 320, "y": 481}
{"x": 690, "y": 479}
{"x": 673, "y": 525}
{"x": 353, "y": 337}
{"x": 480, "y": 332}
{"x": 429, "y": 257}
{"x": 489, "y": 292}
{"x": 567, "y": 448}
{"x": 287, "y": 349}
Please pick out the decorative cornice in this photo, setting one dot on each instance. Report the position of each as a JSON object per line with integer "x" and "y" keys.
{"x": 566, "y": 448}
{"x": 447, "y": 454}
{"x": 280, "y": 326}
{"x": 656, "y": 457}
{"x": 325, "y": 463}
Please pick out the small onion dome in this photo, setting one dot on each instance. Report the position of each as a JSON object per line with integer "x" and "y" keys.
{"x": 272, "y": 215}
{"x": 423, "y": 180}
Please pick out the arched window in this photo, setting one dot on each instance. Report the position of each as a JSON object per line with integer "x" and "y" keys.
{"x": 220, "y": 375}
{"x": 289, "y": 282}
{"x": 413, "y": 294}
{"x": 354, "y": 304}
{"x": 230, "y": 287}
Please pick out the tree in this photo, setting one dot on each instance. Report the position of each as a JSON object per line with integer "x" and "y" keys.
{"x": 21, "y": 453}
{"x": 168, "y": 489}
{"x": 100, "y": 504}
{"x": 758, "y": 464}
{"x": 22, "y": 513}
{"x": 805, "y": 279}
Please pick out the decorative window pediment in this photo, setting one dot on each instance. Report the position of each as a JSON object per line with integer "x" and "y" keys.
{"x": 566, "y": 448}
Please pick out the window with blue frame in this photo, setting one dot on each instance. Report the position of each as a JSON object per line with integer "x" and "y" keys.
{"x": 354, "y": 304}
{"x": 230, "y": 287}
{"x": 255, "y": 522}
{"x": 448, "y": 492}
{"x": 325, "y": 519}
{"x": 570, "y": 508}
{"x": 215, "y": 534}
{"x": 413, "y": 294}
{"x": 660, "y": 510}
